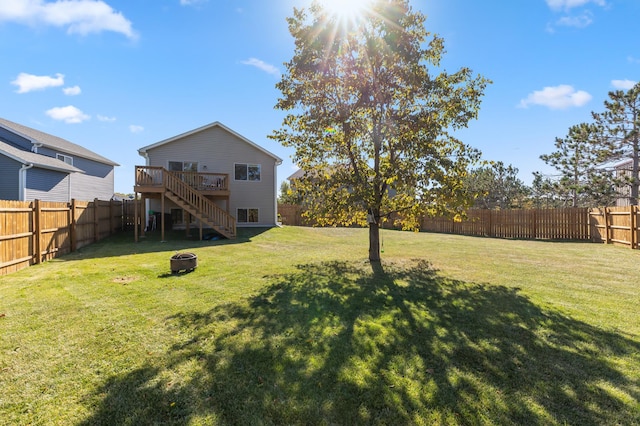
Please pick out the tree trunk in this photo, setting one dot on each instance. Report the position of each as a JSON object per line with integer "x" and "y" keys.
{"x": 374, "y": 242}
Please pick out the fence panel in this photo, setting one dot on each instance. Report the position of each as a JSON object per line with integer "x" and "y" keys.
{"x": 16, "y": 235}
{"x": 290, "y": 214}
{"x": 541, "y": 224}
{"x": 37, "y": 231}
{"x": 617, "y": 225}
{"x": 84, "y": 223}
{"x": 54, "y": 230}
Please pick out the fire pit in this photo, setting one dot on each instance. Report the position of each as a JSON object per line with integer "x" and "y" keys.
{"x": 186, "y": 262}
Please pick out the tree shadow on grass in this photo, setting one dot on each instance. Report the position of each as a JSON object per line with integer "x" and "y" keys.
{"x": 335, "y": 343}
{"x": 122, "y": 244}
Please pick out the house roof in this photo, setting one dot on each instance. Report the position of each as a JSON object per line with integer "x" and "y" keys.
{"x": 144, "y": 149}
{"x": 296, "y": 175}
{"x": 53, "y": 142}
{"x": 38, "y": 160}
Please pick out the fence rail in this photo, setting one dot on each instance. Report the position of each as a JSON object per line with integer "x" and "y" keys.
{"x": 32, "y": 232}
{"x": 617, "y": 225}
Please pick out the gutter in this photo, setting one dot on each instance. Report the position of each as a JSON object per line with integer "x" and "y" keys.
{"x": 22, "y": 181}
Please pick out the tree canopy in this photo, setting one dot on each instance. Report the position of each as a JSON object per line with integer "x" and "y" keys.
{"x": 586, "y": 156}
{"x": 371, "y": 123}
{"x": 619, "y": 136}
{"x": 583, "y": 182}
{"x": 496, "y": 186}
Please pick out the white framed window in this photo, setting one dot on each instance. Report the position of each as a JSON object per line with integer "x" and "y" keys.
{"x": 65, "y": 158}
{"x": 247, "y": 172}
{"x": 248, "y": 216}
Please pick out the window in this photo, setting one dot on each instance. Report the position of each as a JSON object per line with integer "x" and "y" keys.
{"x": 177, "y": 216}
{"x": 247, "y": 216}
{"x": 250, "y": 172}
{"x": 65, "y": 158}
{"x": 183, "y": 166}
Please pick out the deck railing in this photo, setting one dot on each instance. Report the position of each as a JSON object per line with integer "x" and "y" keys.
{"x": 209, "y": 210}
{"x": 200, "y": 181}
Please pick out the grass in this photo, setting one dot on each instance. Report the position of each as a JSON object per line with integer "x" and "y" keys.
{"x": 293, "y": 326}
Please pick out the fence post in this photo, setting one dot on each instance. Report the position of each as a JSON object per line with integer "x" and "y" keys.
{"x": 111, "y": 217}
{"x": 37, "y": 231}
{"x": 96, "y": 222}
{"x": 633, "y": 210}
{"x": 606, "y": 226}
{"x": 135, "y": 216}
{"x": 73, "y": 230}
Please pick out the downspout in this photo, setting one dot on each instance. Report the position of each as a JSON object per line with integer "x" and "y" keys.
{"x": 22, "y": 181}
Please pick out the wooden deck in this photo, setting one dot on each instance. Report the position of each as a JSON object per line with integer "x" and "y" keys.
{"x": 193, "y": 192}
{"x": 150, "y": 179}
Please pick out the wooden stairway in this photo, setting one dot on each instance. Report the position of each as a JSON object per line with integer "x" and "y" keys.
{"x": 199, "y": 206}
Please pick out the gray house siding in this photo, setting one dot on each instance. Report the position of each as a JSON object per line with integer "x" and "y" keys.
{"x": 9, "y": 179}
{"x": 97, "y": 181}
{"x": 47, "y": 185}
{"x": 86, "y": 187}
{"x": 219, "y": 151}
{"x": 14, "y": 139}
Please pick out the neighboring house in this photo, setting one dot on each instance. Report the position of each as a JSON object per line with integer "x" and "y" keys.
{"x": 37, "y": 165}
{"x": 210, "y": 168}
{"x": 624, "y": 170}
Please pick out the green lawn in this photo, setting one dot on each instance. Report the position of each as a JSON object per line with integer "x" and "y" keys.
{"x": 294, "y": 326}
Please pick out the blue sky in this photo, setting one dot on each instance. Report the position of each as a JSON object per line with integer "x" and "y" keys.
{"x": 117, "y": 75}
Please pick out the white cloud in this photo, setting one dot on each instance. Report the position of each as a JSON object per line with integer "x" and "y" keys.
{"x": 68, "y": 114}
{"x": 106, "y": 119}
{"x": 135, "y": 129}
{"x": 268, "y": 68}
{"x": 191, "y": 2}
{"x": 633, "y": 59}
{"x": 578, "y": 21}
{"x": 29, "y": 82}
{"x": 78, "y": 16}
{"x": 570, "y": 4}
{"x": 72, "y": 91}
{"x": 558, "y": 97}
{"x": 623, "y": 84}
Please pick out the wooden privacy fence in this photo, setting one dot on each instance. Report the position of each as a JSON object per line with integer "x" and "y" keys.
{"x": 35, "y": 231}
{"x": 617, "y": 225}
{"x": 533, "y": 224}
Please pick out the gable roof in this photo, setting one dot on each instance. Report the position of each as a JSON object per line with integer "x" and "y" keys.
{"x": 38, "y": 160}
{"x": 144, "y": 149}
{"x": 53, "y": 142}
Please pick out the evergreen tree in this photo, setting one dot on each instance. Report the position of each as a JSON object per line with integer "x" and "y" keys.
{"x": 619, "y": 136}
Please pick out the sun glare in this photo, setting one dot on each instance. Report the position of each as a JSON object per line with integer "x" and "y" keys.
{"x": 349, "y": 9}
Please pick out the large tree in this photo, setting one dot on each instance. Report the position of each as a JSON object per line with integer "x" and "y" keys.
{"x": 370, "y": 123}
{"x": 620, "y": 133}
{"x": 583, "y": 181}
{"x": 496, "y": 186}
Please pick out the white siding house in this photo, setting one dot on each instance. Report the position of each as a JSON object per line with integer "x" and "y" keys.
{"x": 248, "y": 170}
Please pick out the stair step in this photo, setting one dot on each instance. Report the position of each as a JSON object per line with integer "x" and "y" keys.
{"x": 225, "y": 231}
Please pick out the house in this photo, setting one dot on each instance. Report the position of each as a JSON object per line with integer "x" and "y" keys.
{"x": 624, "y": 172}
{"x": 37, "y": 165}
{"x": 210, "y": 176}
